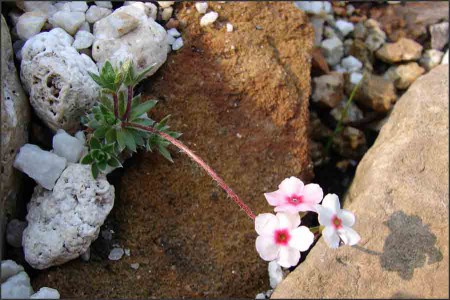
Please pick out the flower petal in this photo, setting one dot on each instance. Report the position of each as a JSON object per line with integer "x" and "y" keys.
{"x": 325, "y": 215}
{"x": 301, "y": 238}
{"x": 306, "y": 207}
{"x": 275, "y": 198}
{"x": 331, "y": 201}
{"x": 347, "y": 217}
{"x": 312, "y": 193}
{"x": 288, "y": 220}
{"x": 331, "y": 237}
{"x": 266, "y": 247}
{"x": 349, "y": 236}
{"x": 265, "y": 224}
{"x": 291, "y": 186}
{"x": 288, "y": 208}
{"x": 288, "y": 257}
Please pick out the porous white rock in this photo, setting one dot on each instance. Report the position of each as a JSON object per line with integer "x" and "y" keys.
{"x": 9, "y": 269}
{"x": 83, "y": 40}
{"x": 152, "y": 10}
{"x": 46, "y": 293}
{"x": 229, "y": 27}
{"x": 275, "y": 274}
{"x": 166, "y": 14}
{"x": 17, "y": 287}
{"x": 80, "y": 6}
{"x": 345, "y": 27}
{"x": 145, "y": 45}
{"x": 351, "y": 64}
{"x": 67, "y": 146}
{"x": 63, "y": 223}
{"x": 201, "y": 7}
{"x": 333, "y": 50}
{"x": 165, "y": 4}
{"x": 116, "y": 254}
{"x": 209, "y": 18}
{"x": 30, "y": 23}
{"x": 96, "y": 13}
{"x": 46, "y": 7}
{"x": 69, "y": 21}
{"x": 57, "y": 79}
{"x": 178, "y": 44}
{"x": 431, "y": 58}
{"x": 106, "y": 4}
{"x": 314, "y": 7}
{"x": 14, "y": 231}
{"x": 43, "y": 166}
{"x": 173, "y": 32}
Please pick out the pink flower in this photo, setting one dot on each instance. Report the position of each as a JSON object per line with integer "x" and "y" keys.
{"x": 293, "y": 196}
{"x": 337, "y": 222}
{"x": 281, "y": 239}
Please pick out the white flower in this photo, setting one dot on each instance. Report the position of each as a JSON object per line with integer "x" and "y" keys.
{"x": 281, "y": 239}
{"x": 337, "y": 222}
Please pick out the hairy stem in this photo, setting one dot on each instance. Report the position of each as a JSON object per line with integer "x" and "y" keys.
{"x": 130, "y": 97}
{"x": 199, "y": 161}
{"x": 116, "y": 106}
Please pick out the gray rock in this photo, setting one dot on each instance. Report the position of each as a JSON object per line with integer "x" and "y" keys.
{"x": 43, "y": 166}
{"x": 116, "y": 254}
{"x": 431, "y": 58}
{"x": 333, "y": 50}
{"x": 351, "y": 64}
{"x": 439, "y": 35}
{"x": 354, "y": 114}
{"x": 360, "y": 31}
{"x": 106, "y": 4}
{"x": 400, "y": 198}
{"x": 134, "y": 266}
{"x": 317, "y": 24}
{"x": 404, "y": 75}
{"x": 376, "y": 37}
{"x": 15, "y": 118}
{"x": 328, "y": 89}
{"x": 345, "y": 27}
{"x": 63, "y": 223}
{"x": 314, "y": 7}
{"x": 14, "y": 231}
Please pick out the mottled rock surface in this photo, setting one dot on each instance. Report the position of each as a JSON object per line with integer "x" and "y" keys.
{"x": 400, "y": 199}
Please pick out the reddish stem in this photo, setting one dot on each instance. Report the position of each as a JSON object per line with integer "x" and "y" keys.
{"x": 199, "y": 161}
{"x": 116, "y": 106}
{"x": 130, "y": 97}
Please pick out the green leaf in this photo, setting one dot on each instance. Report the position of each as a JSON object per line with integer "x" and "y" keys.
{"x": 144, "y": 121}
{"x": 87, "y": 159}
{"x": 120, "y": 135}
{"x": 102, "y": 166}
{"x": 96, "y": 78}
{"x": 129, "y": 140}
{"x": 107, "y": 102}
{"x": 142, "y": 108}
{"x": 136, "y": 101}
{"x": 100, "y": 132}
{"x": 95, "y": 171}
{"x": 109, "y": 148}
{"x": 164, "y": 152}
{"x": 128, "y": 72}
{"x": 141, "y": 75}
{"x": 114, "y": 162}
{"x": 95, "y": 143}
{"x": 110, "y": 135}
{"x": 175, "y": 135}
{"x": 162, "y": 123}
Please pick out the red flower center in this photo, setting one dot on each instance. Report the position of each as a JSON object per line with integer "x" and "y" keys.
{"x": 282, "y": 237}
{"x": 295, "y": 199}
{"x": 337, "y": 222}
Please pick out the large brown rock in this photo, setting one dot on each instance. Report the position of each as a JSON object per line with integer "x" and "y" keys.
{"x": 400, "y": 198}
{"x": 15, "y": 116}
{"x": 241, "y": 100}
{"x": 402, "y": 50}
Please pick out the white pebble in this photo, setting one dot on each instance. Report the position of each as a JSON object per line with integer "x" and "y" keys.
{"x": 355, "y": 77}
{"x": 170, "y": 39}
{"x": 445, "y": 59}
{"x": 116, "y": 254}
{"x": 345, "y": 27}
{"x": 96, "y": 13}
{"x": 83, "y": 40}
{"x": 173, "y": 32}
{"x": 127, "y": 251}
{"x": 177, "y": 44}
{"x": 30, "y": 24}
{"x": 9, "y": 269}
{"x": 351, "y": 64}
{"x": 134, "y": 266}
{"x": 260, "y": 296}
{"x": 105, "y": 4}
{"x": 209, "y": 18}
{"x": 165, "y": 4}
{"x": 80, "y": 6}
{"x": 167, "y": 13}
{"x": 46, "y": 293}
{"x": 201, "y": 7}
{"x": 275, "y": 274}
{"x": 229, "y": 27}
{"x": 65, "y": 145}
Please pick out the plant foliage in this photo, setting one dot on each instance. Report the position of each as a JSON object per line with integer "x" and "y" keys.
{"x": 118, "y": 106}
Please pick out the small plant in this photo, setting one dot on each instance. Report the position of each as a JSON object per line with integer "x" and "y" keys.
{"x": 119, "y": 106}
{"x": 120, "y": 122}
